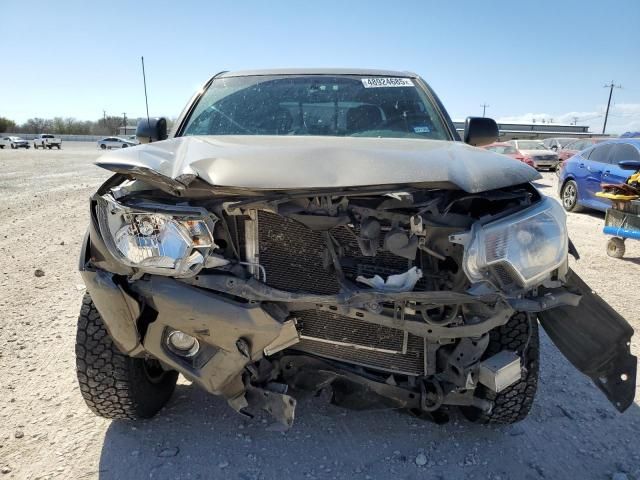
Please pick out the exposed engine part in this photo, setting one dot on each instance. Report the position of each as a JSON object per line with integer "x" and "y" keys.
{"x": 400, "y": 243}
{"x": 369, "y": 236}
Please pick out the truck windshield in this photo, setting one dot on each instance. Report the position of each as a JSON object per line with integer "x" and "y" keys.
{"x": 341, "y": 105}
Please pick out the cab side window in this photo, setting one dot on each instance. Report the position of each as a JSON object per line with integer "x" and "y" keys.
{"x": 622, "y": 152}
{"x": 601, "y": 153}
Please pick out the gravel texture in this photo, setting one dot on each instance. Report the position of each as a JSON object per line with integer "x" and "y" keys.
{"x": 46, "y": 430}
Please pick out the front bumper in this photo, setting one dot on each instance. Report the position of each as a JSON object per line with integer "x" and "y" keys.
{"x": 236, "y": 323}
{"x": 545, "y": 164}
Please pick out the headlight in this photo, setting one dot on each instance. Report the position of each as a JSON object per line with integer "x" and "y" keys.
{"x": 156, "y": 238}
{"x": 521, "y": 249}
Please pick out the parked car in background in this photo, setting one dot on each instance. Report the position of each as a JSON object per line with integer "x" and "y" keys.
{"x": 574, "y": 147}
{"x": 13, "y": 142}
{"x": 115, "y": 142}
{"x": 630, "y": 135}
{"x": 46, "y": 140}
{"x": 509, "y": 150}
{"x": 535, "y": 151}
{"x": 556, "y": 144}
{"x": 581, "y": 175}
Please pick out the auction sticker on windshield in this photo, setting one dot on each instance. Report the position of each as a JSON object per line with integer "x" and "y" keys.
{"x": 386, "y": 82}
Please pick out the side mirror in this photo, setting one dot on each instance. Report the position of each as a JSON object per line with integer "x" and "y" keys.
{"x": 630, "y": 164}
{"x": 152, "y": 130}
{"x": 554, "y": 148}
{"x": 479, "y": 131}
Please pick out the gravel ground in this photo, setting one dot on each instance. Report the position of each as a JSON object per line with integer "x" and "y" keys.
{"x": 46, "y": 431}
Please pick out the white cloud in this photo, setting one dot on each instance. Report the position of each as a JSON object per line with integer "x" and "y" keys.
{"x": 623, "y": 117}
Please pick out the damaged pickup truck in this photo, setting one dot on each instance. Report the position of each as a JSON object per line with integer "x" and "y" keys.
{"x": 328, "y": 230}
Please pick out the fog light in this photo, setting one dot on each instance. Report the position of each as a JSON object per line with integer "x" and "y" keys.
{"x": 182, "y": 343}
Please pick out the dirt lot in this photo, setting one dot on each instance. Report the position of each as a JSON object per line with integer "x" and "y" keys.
{"x": 46, "y": 431}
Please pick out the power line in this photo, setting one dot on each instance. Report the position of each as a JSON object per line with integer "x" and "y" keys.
{"x": 610, "y": 86}
{"x": 484, "y": 108}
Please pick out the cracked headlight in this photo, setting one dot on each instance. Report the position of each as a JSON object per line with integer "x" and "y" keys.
{"x": 156, "y": 238}
{"x": 521, "y": 249}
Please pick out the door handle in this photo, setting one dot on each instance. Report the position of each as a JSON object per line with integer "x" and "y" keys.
{"x": 581, "y": 165}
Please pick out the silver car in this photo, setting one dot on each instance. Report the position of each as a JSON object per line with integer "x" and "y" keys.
{"x": 115, "y": 142}
{"x": 14, "y": 142}
{"x": 535, "y": 150}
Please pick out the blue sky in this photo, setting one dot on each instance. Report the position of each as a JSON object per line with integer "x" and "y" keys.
{"x": 542, "y": 59}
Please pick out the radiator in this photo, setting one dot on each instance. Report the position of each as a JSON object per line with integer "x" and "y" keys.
{"x": 294, "y": 260}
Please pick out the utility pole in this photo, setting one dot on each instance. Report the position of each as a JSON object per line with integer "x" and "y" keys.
{"x": 610, "y": 86}
{"x": 575, "y": 120}
{"x": 124, "y": 122}
{"x": 484, "y": 108}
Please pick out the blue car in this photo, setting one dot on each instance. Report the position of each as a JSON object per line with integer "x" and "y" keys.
{"x": 582, "y": 174}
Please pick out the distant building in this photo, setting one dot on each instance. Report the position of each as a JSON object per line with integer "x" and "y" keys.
{"x": 126, "y": 131}
{"x": 511, "y": 131}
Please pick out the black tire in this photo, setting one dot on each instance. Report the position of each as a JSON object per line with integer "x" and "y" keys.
{"x": 103, "y": 146}
{"x": 112, "y": 384}
{"x": 124, "y": 145}
{"x": 519, "y": 334}
{"x": 615, "y": 247}
{"x": 13, "y": 147}
{"x": 59, "y": 146}
{"x": 569, "y": 197}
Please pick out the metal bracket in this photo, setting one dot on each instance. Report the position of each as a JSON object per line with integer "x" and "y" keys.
{"x": 280, "y": 406}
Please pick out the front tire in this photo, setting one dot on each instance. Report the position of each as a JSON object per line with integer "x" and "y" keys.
{"x": 112, "y": 384}
{"x": 569, "y": 196}
{"x": 520, "y": 335}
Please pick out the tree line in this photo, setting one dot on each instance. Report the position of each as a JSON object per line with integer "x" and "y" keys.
{"x": 108, "y": 125}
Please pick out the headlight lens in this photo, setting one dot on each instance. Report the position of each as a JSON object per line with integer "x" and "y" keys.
{"x": 155, "y": 238}
{"x": 521, "y": 249}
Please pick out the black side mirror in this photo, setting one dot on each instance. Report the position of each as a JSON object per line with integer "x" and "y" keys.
{"x": 151, "y": 130}
{"x": 479, "y": 131}
{"x": 630, "y": 164}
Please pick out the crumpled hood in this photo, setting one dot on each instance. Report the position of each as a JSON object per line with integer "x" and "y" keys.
{"x": 301, "y": 162}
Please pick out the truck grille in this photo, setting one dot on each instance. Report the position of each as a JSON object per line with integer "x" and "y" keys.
{"x": 294, "y": 257}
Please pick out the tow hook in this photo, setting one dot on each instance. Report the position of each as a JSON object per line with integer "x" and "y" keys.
{"x": 431, "y": 395}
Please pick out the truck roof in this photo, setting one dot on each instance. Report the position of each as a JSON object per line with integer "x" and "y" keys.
{"x": 318, "y": 71}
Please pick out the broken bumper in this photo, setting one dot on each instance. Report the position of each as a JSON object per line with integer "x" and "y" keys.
{"x": 235, "y": 334}
{"x": 596, "y": 340}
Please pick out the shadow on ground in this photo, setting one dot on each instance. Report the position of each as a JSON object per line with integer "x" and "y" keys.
{"x": 572, "y": 432}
